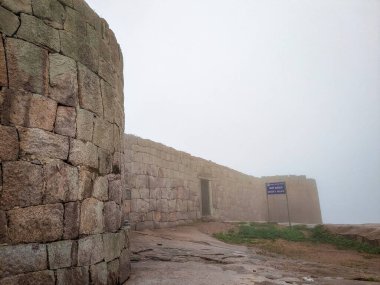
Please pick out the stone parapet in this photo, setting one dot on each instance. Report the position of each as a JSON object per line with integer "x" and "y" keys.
{"x": 165, "y": 189}
{"x": 62, "y": 194}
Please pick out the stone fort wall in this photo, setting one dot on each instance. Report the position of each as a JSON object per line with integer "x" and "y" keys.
{"x": 165, "y": 186}
{"x": 62, "y": 200}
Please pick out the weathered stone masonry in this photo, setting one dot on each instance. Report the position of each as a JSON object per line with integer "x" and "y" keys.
{"x": 62, "y": 201}
{"x": 165, "y": 187}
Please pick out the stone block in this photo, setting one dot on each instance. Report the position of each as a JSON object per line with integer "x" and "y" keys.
{"x": 73, "y": 276}
{"x": 36, "y": 31}
{"x": 71, "y": 220}
{"x": 24, "y": 6}
{"x": 89, "y": 90}
{"x": 91, "y": 217}
{"x": 112, "y": 216}
{"x": 78, "y": 49}
{"x": 114, "y": 190}
{"x": 117, "y": 139}
{"x": 29, "y": 110}
{"x": 108, "y": 96}
{"x": 36, "y": 224}
{"x": 116, "y": 163}
{"x": 63, "y": 79}
{"x": 113, "y": 272}
{"x": 27, "y": 66}
{"x": 67, "y": 2}
{"x": 113, "y": 245}
{"x": 125, "y": 266}
{"x": 51, "y": 11}
{"x": 45, "y": 277}
{"x": 83, "y": 153}
{"x": 101, "y": 188}
{"x": 9, "y": 22}
{"x": 3, "y": 66}
{"x": 62, "y": 182}
{"x": 22, "y": 184}
{"x": 3, "y": 227}
{"x": 86, "y": 182}
{"x": 75, "y": 22}
{"x": 125, "y": 210}
{"x": 99, "y": 273}
{"x": 119, "y": 114}
{"x": 22, "y": 258}
{"x": 60, "y": 254}
{"x": 90, "y": 250}
{"x": 106, "y": 70}
{"x": 9, "y": 145}
{"x": 103, "y": 134}
{"x": 65, "y": 122}
{"x": 85, "y": 125}
{"x": 43, "y": 144}
{"x": 105, "y": 161}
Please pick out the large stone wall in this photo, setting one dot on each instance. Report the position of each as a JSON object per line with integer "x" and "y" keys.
{"x": 62, "y": 202}
{"x": 165, "y": 187}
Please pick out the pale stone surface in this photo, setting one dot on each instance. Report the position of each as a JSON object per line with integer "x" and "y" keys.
{"x": 18, "y": 6}
{"x": 114, "y": 190}
{"x": 71, "y": 220}
{"x": 9, "y": 22}
{"x": 113, "y": 245}
{"x": 60, "y": 254}
{"x": 103, "y": 134}
{"x": 101, "y": 188}
{"x": 86, "y": 182}
{"x": 36, "y": 31}
{"x": 62, "y": 182}
{"x": 112, "y": 216}
{"x": 125, "y": 266}
{"x": 63, "y": 79}
{"x": 99, "y": 273}
{"x": 89, "y": 90}
{"x": 67, "y": 2}
{"x": 22, "y": 258}
{"x": 83, "y": 153}
{"x": 27, "y": 66}
{"x": 9, "y": 143}
{"x": 85, "y": 125}
{"x": 36, "y": 224}
{"x": 73, "y": 276}
{"x": 65, "y": 122}
{"x": 51, "y": 11}
{"x": 22, "y": 184}
{"x": 74, "y": 47}
{"x": 117, "y": 138}
{"x": 113, "y": 271}
{"x": 3, "y": 66}
{"x": 90, "y": 250}
{"x": 43, "y": 144}
{"x": 108, "y": 97}
{"x": 30, "y": 110}
{"x": 75, "y": 22}
{"x": 91, "y": 217}
{"x": 105, "y": 161}
{"x": 45, "y": 277}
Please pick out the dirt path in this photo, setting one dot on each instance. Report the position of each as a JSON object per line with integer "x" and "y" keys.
{"x": 189, "y": 255}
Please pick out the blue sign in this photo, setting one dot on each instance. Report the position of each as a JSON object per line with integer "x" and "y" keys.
{"x": 276, "y": 188}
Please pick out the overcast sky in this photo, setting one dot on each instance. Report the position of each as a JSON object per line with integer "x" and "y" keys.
{"x": 265, "y": 87}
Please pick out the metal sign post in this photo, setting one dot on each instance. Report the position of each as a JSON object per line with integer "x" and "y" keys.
{"x": 278, "y": 188}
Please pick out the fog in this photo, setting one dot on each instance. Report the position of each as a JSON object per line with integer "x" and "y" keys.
{"x": 264, "y": 87}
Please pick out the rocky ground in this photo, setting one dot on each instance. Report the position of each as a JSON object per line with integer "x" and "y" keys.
{"x": 190, "y": 255}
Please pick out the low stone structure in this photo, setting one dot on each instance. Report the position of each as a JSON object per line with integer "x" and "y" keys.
{"x": 166, "y": 190}
{"x": 62, "y": 121}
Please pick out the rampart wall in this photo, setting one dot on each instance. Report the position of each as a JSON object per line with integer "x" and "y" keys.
{"x": 165, "y": 187}
{"x": 62, "y": 201}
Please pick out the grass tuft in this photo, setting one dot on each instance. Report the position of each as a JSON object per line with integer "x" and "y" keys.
{"x": 249, "y": 233}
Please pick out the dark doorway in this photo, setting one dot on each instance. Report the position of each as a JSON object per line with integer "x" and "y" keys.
{"x": 205, "y": 195}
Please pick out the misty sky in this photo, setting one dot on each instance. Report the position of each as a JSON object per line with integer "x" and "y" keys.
{"x": 265, "y": 87}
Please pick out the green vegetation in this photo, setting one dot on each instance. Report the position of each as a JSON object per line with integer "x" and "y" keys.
{"x": 250, "y": 233}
